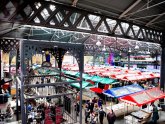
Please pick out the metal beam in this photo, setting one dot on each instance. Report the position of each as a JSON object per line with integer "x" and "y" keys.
{"x": 154, "y": 19}
{"x": 68, "y": 12}
{"x": 49, "y": 84}
{"x": 51, "y": 96}
{"x": 130, "y": 8}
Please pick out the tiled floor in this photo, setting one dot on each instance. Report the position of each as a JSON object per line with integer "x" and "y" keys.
{"x": 118, "y": 121}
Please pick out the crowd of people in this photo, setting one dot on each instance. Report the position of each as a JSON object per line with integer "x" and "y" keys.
{"x": 94, "y": 112}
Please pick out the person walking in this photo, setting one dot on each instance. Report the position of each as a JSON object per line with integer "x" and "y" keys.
{"x": 111, "y": 117}
{"x": 87, "y": 113}
{"x": 100, "y": 102}
{"x": 91, "y": 106}
{"x": 155, "y": 115}
{"x": 101, "y": 115}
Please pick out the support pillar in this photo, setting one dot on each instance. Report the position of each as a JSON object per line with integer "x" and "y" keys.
{"x": 10, "y": 59}
{"x": 31, "y": 62}
{"x": 156, "y": 64}
{"x": 128, "y": 60}
{"x": 17, "y": 62}
{"x": 0, "y": 65}
{"x": 94, "y": 59}
{"x": 162, "y": 67}
{"x": 17, "y": 98}
{"x": 81, "y": 70}
{"x": 23, "y": 67}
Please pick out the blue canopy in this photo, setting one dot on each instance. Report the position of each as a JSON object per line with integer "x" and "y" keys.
{"x": 123, "y": 91}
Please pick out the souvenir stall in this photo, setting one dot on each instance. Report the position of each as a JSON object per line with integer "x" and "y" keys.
{"x": 47, "y": 85}
{"x": 140, "y": 99}
{"x": 121, "y": 108}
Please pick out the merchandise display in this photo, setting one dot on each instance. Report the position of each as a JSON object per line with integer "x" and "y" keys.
{"x": 139, "y": 117}
{"x": 140, "y": 114}
{"x": 122, "y": 108}
{"x": 131, "y": 120}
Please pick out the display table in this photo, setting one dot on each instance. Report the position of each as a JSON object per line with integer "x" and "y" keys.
{"x": 122, "y": 108}
{"x": 131, "y": 120}
{"x": 139, "y": 117}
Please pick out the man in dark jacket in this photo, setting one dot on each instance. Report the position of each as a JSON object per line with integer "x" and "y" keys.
{"x": 101, "y": 115}
{"x": 91, "y": 106}
{"x": 111, "y": 117}
{"x": 155, "y": 115}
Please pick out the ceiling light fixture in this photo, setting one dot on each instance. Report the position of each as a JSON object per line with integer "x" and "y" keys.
{"x": 136, "y": 47}
{"x": 129, "y": 50}
{"x": 98, "y": 43}
{"x": 148, "y": 52}
{"x": 104, "y": 49}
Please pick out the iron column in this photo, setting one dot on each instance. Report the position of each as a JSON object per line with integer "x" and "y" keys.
{"x": 162, "y": 69}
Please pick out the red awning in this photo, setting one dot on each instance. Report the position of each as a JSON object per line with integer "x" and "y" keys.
{"x": 130, "y": 78}
{"x": 156, "y": 93}
{"x": 144, "y": 97}
{"x": 96, "y": 90}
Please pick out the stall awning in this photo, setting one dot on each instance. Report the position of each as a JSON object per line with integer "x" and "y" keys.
{"x": 87, "y": 77}
{"x": 73, "y": 73}
{"x": 107, "y": 81}
{"x": 117, "y": 92}
{"x": 134, "y": 88}
{"x": 139, "y": 99}
{"x": 123, "y": 91}
{"x": 156, "y": 93}
{"x": 96, "y": 78}
{"x": 84, "y": 84}
{"x": 96, "y": 90}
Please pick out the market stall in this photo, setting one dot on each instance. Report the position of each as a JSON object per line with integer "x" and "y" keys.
{"x": 122, "y": 108}
{"x": 140, "y": 99}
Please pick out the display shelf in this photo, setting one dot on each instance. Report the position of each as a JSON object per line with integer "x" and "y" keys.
{"x": 122, "y": 108}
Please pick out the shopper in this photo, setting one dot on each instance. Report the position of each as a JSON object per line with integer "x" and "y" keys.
{"x": 155, "y": 115}
{"x": 100, "y": 102}
{"x": 96, "y": 111}
{"x": 77, "y": 108}
{"x": 9, "y": 112}
{"x": 111, "y": 117}
{"x": 29, "y": 107}
{"x": 93, "y": 118}
{"x": 94, "y": 100}
{"x": 87, "y": 113}
{"x": 101, "y": 115}
{"x": 91, "y": 106}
